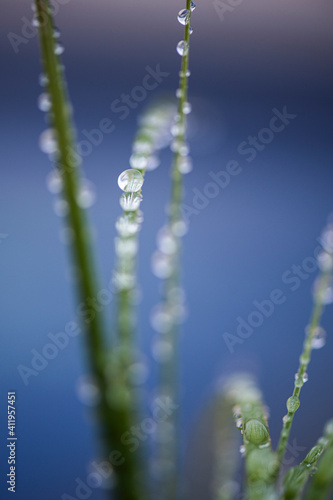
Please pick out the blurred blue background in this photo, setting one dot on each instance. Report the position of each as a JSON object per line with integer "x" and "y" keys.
{"x": 244, "y": 62}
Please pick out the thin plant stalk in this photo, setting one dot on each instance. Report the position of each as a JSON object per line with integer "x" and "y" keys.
{"x": 113, "y": 423}
{"x": 168, "y": 456}
{"x": 293, "y": 402}
{"x": 297, "y": 476}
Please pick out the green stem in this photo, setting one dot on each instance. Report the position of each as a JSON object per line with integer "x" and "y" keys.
{"x": 293, "y": 401}
{"x": 169, "y": 486}
{"x": 116, "y": 422}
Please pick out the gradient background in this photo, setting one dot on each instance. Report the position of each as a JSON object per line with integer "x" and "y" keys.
{"x": 264, "y": 54}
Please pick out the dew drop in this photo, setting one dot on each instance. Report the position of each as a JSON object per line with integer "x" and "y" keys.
{"x": 178, "y": 93}
{"x": 193, "y": 6}
{"x": 87, "y": 195}
{"x": 161, "y": 265}
{"x": 185, "y": 165}
{"x": 166, "y": 241}
{"x": 43, "y": 80}
{"x": 130, "y": 202}
{"x": 177, "y": 129}
{"x": 191, "y": 30}
{"x": 325, "y": 262}
{"x": 242, "y": 449}
{"x": 187, "y": 73}
{"x": 59, "y": 49}
{"x": 47, "y": 141}
{"x": 293, "y": 404}
{"x": 126, "y": 247}
{"x": 123, "y": 280}
{"x": 182, "y": 48}
{"x": 184, "y": 16}
{"x": 187, "y": 108}
{"x": 179, "y": 228}
{"x": 88, "y": 391}
{"x": 142, "y": 146}
{"x": 161, "y": 350}
{"x": 35, "y": 23}
{"x": 54, "y": 182}
{"x": 239, "y": 423}
{"x": 130, "y": 181}
{"x": 161, "y": 319}
{"x": 126, "y": 227}
{"x": 138, "y": 161}
{"x": 305, "y": 377}
{"x": 44, "y": 102}
{"x": 256, "y": 432}
{"x": 56, "y": 33}
{"x": 152, "y": 163}
{"x": 319, "y": 338}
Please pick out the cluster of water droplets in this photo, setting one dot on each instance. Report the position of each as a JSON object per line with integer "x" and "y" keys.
{"x": 184, "y": 17}
{"x": 48, "y": 144}
{"x": 153, "y": 135}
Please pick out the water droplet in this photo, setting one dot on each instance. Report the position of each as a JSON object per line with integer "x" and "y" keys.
{"x": 161, "y": 319}
{"x": 87, "y": 195}
{"x": 185, "y": 165}
{"x": 138, "y": 161}
{"x": 138, "y": 373}
{"x": 239, "y": 423}
{"x": 47, "y": 141}
{"x": 59, "y": 49}
{"x": 325, "y": 262}
{"x": 161, "y": 350}
{"x": 161, "y": 265}
{"x": 126, "y": 227}
{"x": 166, "y": 241}
{"x": 256, "y": 432}
{"x": 88, "y": 391}
{"x": 305, "y": 377}
{"x": 126, "y": 247}
{"x": 152, "y": 163}
{"x": 43, "y": 80}
{"x": 123, "y": 280}
{"x": 130, "y": 202}
{"x": 184, "y": 16}
{"x": 44, "y": 102}
{"x": 54, "y": 182}
{"x": 319, "y": 338}
{"x": 293, "y": 404}
{"x": 182, "y": 48}
{"x": 35, "y": 23}
{"x": 190, "y": 30}
{"x": 187, "y": 73}
{"x": 178, "y": 93}
{"x": 143, "y": 147}
{"x": 130, "y": 180}
{"x": 60, "y": 207}
{"x": 242, "y": 449}
{"x": 187, "y": 108}
{"x": 56, "y": 33}
{"x": 179, "y": 228}
{"x": 193, "y": 6}
{"x": 177, "y": 129}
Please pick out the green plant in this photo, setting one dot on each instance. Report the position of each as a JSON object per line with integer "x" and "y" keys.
{"x": 111, "y": 361}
